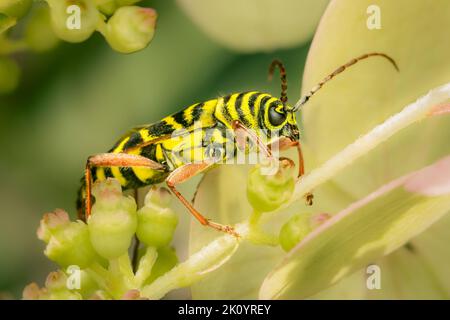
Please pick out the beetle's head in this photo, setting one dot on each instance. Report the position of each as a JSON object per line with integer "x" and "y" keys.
{"x": 279, "y": 120}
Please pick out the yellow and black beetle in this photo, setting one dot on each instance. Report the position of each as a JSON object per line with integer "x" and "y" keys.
{"x": 144, "y": 155}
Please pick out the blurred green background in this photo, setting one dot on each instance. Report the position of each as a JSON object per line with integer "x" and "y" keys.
{"x": 77, "y": 99}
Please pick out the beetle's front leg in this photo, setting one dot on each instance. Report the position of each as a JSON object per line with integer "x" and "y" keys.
{"x": 301, "y": 171}
{"x": 288, "y": 143}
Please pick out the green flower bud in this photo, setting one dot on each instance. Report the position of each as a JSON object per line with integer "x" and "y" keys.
{"x": 39, "y": 34}
{"x": 67, "y": 242}
{"x": 268, "y": 192}
{"x": 74, "y": 20}
{"x": 298, "y": 227}
{"x": 9, "y": 75}
{"x": 131, "y": 29}
{"x": 294, "y": 230}
{"x": 113, "y": 221}
{"x": 52, "y": 222}
{"x": 156, "y": 222}
{"x": 167, "y": 259}
{"x": 15, "y": 8}
{"x": 107, "y": 7}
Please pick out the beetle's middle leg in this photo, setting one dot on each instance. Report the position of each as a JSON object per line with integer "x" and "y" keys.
{"x": 309, "y": 196}
{"x": 181, "y": 175}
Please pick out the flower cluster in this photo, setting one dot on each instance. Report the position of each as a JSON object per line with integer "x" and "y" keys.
{"x": 94, "y": 256}
{"x": 126, "y": 27}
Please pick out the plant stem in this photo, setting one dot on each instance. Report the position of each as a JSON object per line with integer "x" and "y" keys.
{"x": 257, "y": 235}
{"x": 146, "y": 263}
{"x": 207, "y": 259}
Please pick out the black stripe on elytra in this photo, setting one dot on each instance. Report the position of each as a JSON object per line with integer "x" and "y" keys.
{"x": 226, "y": 99}
{"x": 134, "y": 140}
{"x": 181, "y": 119}
{"x": 130, "y": 177}
{"x": 115, "y": 145}
{"x": 160, "y": 128}
{"x": 197, "y": 111}
{"x": 149, "y": 152}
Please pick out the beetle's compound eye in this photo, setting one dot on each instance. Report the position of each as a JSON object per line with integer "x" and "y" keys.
{"x": 277, "y": 116}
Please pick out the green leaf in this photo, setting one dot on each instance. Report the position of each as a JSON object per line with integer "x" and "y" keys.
{"x": 6, "y": 22}
{"x": 369, "y": 228}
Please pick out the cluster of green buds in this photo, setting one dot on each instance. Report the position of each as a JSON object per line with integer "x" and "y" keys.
{"x": 126, "y": 27}
{"x": 97, "y": 257}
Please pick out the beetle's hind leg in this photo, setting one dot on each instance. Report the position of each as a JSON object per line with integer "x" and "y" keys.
{"x": 184, "y": 173}
{"x": 113, "y": 160}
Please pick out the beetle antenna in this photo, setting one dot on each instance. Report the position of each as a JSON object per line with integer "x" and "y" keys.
{"x": 279, "y": 64}
{"x": 306, "y": 97}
